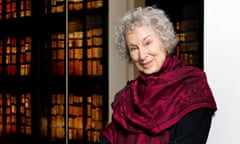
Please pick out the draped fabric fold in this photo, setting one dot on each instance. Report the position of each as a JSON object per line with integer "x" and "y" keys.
{"x": 150, "y": 104}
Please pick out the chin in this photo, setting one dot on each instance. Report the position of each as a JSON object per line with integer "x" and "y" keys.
{"x": 148, "y": 72}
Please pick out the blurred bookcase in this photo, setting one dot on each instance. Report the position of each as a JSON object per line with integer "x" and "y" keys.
{"x": 53, "y": 71}
{"x": 187, "y": 17}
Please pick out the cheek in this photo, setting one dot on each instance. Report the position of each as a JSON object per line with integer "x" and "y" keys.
{"x": 160, "y": 51}
{"x": 133, "y": 57}
{"x": 135, "y": 62}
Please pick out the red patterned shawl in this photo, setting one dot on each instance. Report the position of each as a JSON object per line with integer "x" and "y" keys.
{"x": 149, "y": 105}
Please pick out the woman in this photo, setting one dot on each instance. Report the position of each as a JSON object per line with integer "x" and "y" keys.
{"x": 169, "y": 102}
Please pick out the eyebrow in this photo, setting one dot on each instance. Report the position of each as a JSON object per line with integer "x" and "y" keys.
{"x": 146, "y": 37}
{"x": 131, "y": 45}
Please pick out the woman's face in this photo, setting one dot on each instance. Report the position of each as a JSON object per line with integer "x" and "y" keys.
{"x": 146, "y": 49}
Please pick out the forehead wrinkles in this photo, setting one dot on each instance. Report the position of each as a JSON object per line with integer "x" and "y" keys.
{"x": 132, "y": 35}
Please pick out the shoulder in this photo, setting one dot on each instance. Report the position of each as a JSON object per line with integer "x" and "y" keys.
{"x": 198, "y": 115}
{"x": 125, "y": 87}
{"x": 120, "y": 92}
{"x": 192, "y": 127}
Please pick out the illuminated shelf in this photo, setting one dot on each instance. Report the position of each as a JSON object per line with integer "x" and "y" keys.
{"x": 53, "y": 73}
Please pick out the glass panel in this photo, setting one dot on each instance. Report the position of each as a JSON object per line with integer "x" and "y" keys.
{"x": 52, "y": 76}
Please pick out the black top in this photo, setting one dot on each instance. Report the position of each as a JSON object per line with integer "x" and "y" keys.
{"x": 191, "y": 129}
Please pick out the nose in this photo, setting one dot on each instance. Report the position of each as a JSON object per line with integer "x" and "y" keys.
{"x": 142, "y": 53}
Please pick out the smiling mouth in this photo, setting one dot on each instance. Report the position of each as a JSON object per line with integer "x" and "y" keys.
{"x": 146, "y": 64}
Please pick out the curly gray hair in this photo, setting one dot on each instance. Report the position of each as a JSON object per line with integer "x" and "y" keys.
{"x": 145, "y": 16}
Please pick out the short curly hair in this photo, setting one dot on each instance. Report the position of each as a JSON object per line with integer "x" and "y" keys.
{"x": 145, "y": 16}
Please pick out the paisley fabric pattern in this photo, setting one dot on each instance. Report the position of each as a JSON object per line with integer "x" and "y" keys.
{"x": 150, "y": 104}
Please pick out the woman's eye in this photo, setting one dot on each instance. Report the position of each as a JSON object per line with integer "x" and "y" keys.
{"x": 148, "y": 43}
{"x": 133, "y": 48}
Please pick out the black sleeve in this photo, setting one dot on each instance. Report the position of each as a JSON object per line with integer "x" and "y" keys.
{"x": 192, "y": 128}
{"x": 103, "y": 140}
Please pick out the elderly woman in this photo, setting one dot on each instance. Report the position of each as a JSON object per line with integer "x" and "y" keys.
{"x": 169, "y": 102}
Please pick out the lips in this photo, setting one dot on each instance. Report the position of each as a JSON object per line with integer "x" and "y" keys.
{"x": 147, "y": 64}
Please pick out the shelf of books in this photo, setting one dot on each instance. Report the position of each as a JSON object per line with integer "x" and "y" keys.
{"x": 188, "y": 37}
{"x": 187, "y": 18}
{"x": 53, "y": 71}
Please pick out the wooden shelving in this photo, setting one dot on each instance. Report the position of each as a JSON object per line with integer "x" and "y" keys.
{"x": 187, "y": 17}
{"x": 53, "y": 71}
